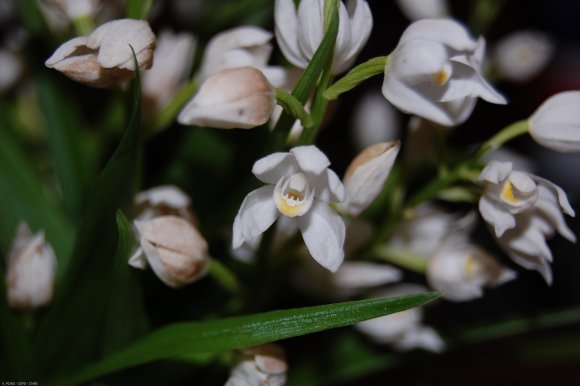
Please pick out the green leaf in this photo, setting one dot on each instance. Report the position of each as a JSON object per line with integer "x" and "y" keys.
{"x": 356, "y": 76}
{"x": 66, "y": 138}
{"x": 69, "y": 333}
{"x": 24, "y": 198}
{"x": 126, "y": 318}
{"x": 231, "y": 333}
{"x": 138, "y": 9}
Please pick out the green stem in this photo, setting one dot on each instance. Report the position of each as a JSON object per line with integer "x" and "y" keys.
{"x": 401, "y": 258}
{"x": 226, "y": 278}
{"x": 169, "y": 112}
{"x": 508, "y": 133}
{"x": 293, "y": 107}
{"x": 83, "y": 25}
{"x": 356, "y": 76}
{"x": 318, "y": 110}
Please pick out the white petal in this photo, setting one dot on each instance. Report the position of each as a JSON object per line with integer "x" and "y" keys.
{"x": 361, "y": 25}
{"x": 286, "y": 28}
{"x": 444, "y": 31}
{"x": 562, "y": 198}
{"x": 273, "y": 167}
{"x": 341, "y": 59}
{"x": 310, "y": 159}
{"x": 468, "y": 82}
{"x": 66, "y": 50}
{"x": 310, "y": 26}
{"x": 556, "y": 123}
{"x": 495, "y": 172}
{"x": 328, "y": 187}
{"x": 323, "y": 232}
{"x": 421, "y": 337}
{"x": 495, "y": 215}
{"x": 362, "y": 274}
{"x": 257, "y": 213}
{"x": 423, "y": 9}
{"x": 138, "y": 259}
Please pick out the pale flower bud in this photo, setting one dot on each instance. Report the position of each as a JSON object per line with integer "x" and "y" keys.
{"x": 263, "y": 365}
{"x": 174, "y": 248}
{"x": 522, "y": 55}
{"x": 556, "y": 123}
{"x": 162, "y": 201}
{"x": 31, "y": 270}
{"x": 366, "y": 175}
{"x": 462, "y": 273}
{"x": 232, "y": 98}
{"x": 104, "y": 58}
{"x": 424, "y": 9}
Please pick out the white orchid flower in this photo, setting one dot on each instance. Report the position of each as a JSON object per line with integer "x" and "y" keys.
{"x": 263, "y": 365}
{"x": 522, "y": 55}
{"x": 239, "y": 47}
{"x": 524, "y": 210}
{"x": 232, "y": 98}
{"x": 173, "y": 60}
{"x": 104, "y": 58}
{"x": 299, "y": 32}
{"x": 366, "y": 175}
{"x": 300, "y": 186}
{"x": 435, "y": 72}
{"x": 31, "y": 270}
{"x": 462, "y": 271}
{"x": 556, "y": 123}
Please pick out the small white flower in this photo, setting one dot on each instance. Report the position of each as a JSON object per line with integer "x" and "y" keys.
{"x": 524, "y": 209}
{"x": 263, "y": 365}
{"x": 239, "y": 47}
{"x": 173, "y": 60}
{"x": 462, "y": 271}
{"x": 366, "y": 175}
{"x": 556, "y": 123}
{"x": 299, "y": 32}
{"x": 31, "y": 270}
{"x": 300, "y": 186}
{"x": 424, "y": 9}
{"x": 435, "y": 72}
{"x": 174, "y": 248}
{"x": 163, "y": 200}
{"x": 104, "y": 58}
{"x": 522, "y": 55}
{"x": 404, "y": 330}
{"x": 231, "y": 98}
{"x": 374, "y": 121}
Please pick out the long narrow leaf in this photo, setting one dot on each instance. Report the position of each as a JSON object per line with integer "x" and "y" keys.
{"x": 69, "y": 334}
{"x": 225, "y": 334}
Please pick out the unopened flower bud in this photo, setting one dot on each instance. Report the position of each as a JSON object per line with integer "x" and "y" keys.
{"x": 174, "y": 248}
{"x": 366, "y": 175}
{"x": 163, "y": 200}
{"x": 31, "y": 270}
{"x": 461, "y": 274}
{"x": 263, "y": 365}
{"x": 104, "y": 59}
{"x": 232, "y": 98}
{"x": 556, "y": 123}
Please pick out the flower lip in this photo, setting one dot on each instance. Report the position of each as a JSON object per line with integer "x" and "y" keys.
{"x": 293, "y": 195}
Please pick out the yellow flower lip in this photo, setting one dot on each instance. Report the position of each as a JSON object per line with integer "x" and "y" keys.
{"x": 442, "y": 76}
{"x": 507, "y": 193}
{"x": 293, "y": 196}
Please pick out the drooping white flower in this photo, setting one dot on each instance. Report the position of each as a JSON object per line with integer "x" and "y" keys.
{"x": 461, "y": 271}
{"x": 521, "y": 55}
{"x": 366, "y": 175}
{"x": 232, "y": 98}
{"x": 300, "y": 186}
{"x": 424, "y": 9}
{"x": 556, "y": 123}
{"x": 263, "y": 365}
{"x": 104, "y": 58}
{"x": 239, "y": 47}
{"x": 404, "y": 330}
{"x": 524, "y": 209}
{"x": 174, "y": 249}
{"x": 299, "y": 32}
{"x": 173, "y": 58}
{"x": 435, "y": 72}
{"x": 31, "y": 270}
{"x": 374, "y": 121}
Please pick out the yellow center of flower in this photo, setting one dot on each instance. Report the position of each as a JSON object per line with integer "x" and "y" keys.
{"x": 507, "y": 193}
{"x": 469, "y": 266}
{"x": 442, "y": 77}
{"x": 291, "y": 199}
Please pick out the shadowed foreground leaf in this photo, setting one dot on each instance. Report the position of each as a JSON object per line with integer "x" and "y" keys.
{"x": 230, "y": 333}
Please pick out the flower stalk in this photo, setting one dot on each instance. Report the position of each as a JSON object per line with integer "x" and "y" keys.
{"x": 356, "y": 76}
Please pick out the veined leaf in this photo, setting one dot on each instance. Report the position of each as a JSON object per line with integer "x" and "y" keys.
{"x": 231, "y": 333}
{"x": 70, "y": 332}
